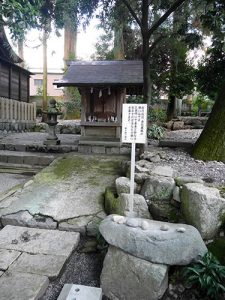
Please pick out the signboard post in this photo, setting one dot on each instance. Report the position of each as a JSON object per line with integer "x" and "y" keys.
{"x": 134, "y": 130}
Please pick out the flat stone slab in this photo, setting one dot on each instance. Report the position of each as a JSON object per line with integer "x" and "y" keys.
{"x": 71, "y": 187}
{"x": 7, "y": 257}
{"x": 154, "y": 241}
{"x": 41, "y": 264}
{"x": 38, "y": 241}
{"x": 1, "y": 273}
{"x": 20, "y": 286}
{"x": 80, "y": 292}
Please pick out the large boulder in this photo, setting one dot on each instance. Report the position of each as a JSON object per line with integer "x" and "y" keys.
{"x": 182, "y": 180}
{"x": 202, "y": 207}
{"x": 154, "y": 241}
{"x": 126, "y": 277}
{"x": 158, "y": 191}
{"x": 158, "y": 188}
{"x": 166, "y": 171}
{"x": 121, "y": 205}
{"x": 123, "y": 185}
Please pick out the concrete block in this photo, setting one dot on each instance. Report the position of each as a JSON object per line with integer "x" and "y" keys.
{"x": 22, "y": 286}
{"x": 7, "y": 257}
{"x": 3, "y": 158}
{"x": 125, "y": 150}
{"x": 113, "y": 150}
{"x": 47, "y": 265}
{"x": 10, "y": 147}
{"x": 15, "y": 159}
{"x": 31, "y": 160}
{"x": 20, "y": 147}
{"x": 2, "y": 147}
{"x": 45, "y": 160}
{"x": 84, "y": 149}
{"x": 38, "y": 241}
{"x": 98, "y": 149}
{"x": 80, "y": 292}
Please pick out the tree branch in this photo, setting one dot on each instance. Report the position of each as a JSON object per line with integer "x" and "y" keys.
{"x": 132, "y": 12}
{"x": 155, "y": 43}
{"x": 173, "y": 7}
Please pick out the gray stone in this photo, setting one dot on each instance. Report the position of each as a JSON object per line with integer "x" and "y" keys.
{"x": 158, "y": 188}
{"x": 123, "y": 185}
{"x": 163, "y": 171}
{"x": 125, "y": 150}
{"x": 80, "y": 292}
{"x": 98, "y": 149}
{"x": 140, "y": 206}
{"x": 132, "y": 222}
{"x": 140, "y": 177}
{"x": 178, "y": 125}
{"x": 182, "y": 180}
{"x": 93, "y": 227}
{"x": 77, "y": 224}
{"x": 144, "y": 164}
{"x": 1, "y": 273}
{"x": 176, "y": 194}
{"x": 156, "y": 158}
{"x": 38, "y": 241}
{"x": 7, "y": 257}
{"x": 113, "y": 150}
{"x": 24, "y": 218}
{"x": 163, "y": 247}
{"x": 21, "y": 286}
{"x": 41, "y": 264}
{"x": 140, "y": 279}
{"x": 203, "y": 208}
{"x": 139, "y": 169}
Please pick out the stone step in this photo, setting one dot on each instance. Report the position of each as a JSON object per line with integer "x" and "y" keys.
{"x": 176, "y": 143}
{"x": 25, "y": 158}
{"x": 30, "y": 257}
{"x": 21, "y": 169}
{"x": 38, "y": 148}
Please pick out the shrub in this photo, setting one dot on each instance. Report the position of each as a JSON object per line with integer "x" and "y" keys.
{"x": 208, "y": 275}
{"x": 156, "y": 132}
{"x": 157, "y": 115}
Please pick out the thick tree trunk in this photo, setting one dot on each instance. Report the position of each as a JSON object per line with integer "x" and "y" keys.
{"x": 211, "y": 143}
{"x": 70, "y": 42}
{"x": 118, "y": 50}
{"x": 45, "y": 71}
{"x": 170, "y": 113}
{"x": 21, "y": 51}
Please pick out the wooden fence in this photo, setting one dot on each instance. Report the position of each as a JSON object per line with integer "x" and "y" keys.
{"x": 16, "y": 115}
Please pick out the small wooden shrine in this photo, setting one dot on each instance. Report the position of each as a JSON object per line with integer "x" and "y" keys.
{"x": 103, "y": 86}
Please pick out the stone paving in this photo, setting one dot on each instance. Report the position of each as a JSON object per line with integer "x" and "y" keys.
{"x": 29, "y": 257}
{"x": 67, "y": 195}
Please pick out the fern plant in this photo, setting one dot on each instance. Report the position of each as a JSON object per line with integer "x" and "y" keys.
{"x": 156, "y": 132}
{"x": 208, "y": 275}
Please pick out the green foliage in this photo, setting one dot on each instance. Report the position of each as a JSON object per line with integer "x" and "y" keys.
{"x": 201, "y": 103}
{"x": 157, "y": 115}
{"x": 156, "y": 132}
{"x": 217, "y": 248}
{"x": 208, "y": 275}
{"x": 135, "y": 99}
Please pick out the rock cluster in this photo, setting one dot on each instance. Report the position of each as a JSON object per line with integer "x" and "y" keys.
{"x": 140, "y": 253}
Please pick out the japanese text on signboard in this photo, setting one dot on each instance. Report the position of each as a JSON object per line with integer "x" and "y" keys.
{"x": 134, "y": 123}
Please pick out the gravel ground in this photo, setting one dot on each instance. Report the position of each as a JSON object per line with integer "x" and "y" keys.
{"x": 181, "y": 161}
{"x": 81, "y": 268}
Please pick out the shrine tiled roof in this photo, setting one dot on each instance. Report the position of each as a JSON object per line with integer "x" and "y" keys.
{"x": 84, "y": 73}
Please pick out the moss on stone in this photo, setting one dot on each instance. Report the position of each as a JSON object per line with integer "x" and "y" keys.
{"x": 217, "y": 247}
{"x": 111, "y": 202}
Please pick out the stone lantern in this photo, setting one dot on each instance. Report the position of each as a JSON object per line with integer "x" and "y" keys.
{"x": 52, "y": 114}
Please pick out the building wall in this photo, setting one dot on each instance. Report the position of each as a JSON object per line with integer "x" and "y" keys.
{"x": 14, "y": 82}
{"x": 36, "y": 81}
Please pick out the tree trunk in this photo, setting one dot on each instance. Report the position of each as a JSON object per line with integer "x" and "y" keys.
{"x": 45, "y": 71}
{"x": 20, "y": 51}
{"x": 70, "y": 43}
{"x": 119, "y": 43}
{"x": 170, "y": 113}
{"x": 211, "y": 143}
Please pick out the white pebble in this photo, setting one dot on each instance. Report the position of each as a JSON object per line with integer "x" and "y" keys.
{"x": 164, "y": 228}
{"x": 131, "y": 222}
{"x": 144, "y": 225}
{"x": 119, "y": 219}
{"x": 181, "y": 229}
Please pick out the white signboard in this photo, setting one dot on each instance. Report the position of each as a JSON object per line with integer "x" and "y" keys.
{"x": 134, "y": 125}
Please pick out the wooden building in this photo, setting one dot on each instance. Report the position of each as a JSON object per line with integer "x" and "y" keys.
{"x": 103, "y": 86}
{"x": 14, "y": 80}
